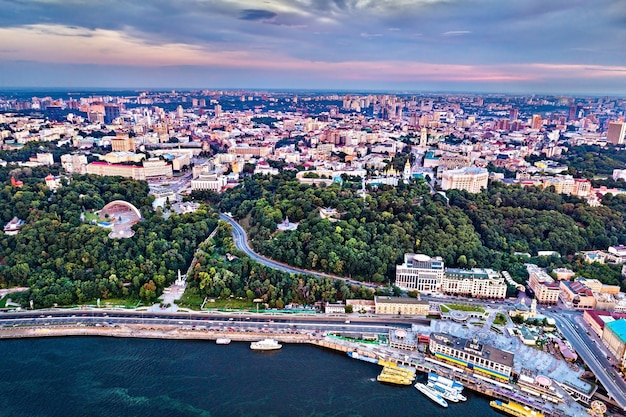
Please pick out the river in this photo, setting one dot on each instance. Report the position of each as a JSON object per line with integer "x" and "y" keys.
{"x": 99, "y": 376}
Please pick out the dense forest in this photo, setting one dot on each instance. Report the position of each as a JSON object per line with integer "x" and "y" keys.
{"x": 592, "y": 160}
{"x": 485, "y": 230}
{"x": 65, "y": 261}
{"x": 217, "y": 275}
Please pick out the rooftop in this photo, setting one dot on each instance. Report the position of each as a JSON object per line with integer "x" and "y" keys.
{"x": 619, "y": 328}
{"x": 395, "y": 300}
{"x": 489, "y": 352}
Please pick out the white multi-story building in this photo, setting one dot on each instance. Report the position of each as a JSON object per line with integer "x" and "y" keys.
{"x": 470, "y": 179}
{"x": 420, "y": 272}
{"x": 157, "y": 168}
{"x": 74, "y": 163}
{"x": 212, "y": 182}
{"x": 483, "y": 283}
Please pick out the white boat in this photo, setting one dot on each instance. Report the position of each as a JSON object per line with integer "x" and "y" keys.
{"x": 265, "y": 344}
{"x": 355, "y": 355}
{"x": 447, "y": 388}
{"x": 222, "y": 341}
{"x": 447, "y": 392}
{"x": 443, "y": 381}
{"x": 431, "y": 393}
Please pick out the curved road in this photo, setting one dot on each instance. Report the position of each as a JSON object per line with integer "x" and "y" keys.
{"x": 241, "y": 242}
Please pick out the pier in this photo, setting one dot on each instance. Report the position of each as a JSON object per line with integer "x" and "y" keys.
{"x": 483, "y": 387}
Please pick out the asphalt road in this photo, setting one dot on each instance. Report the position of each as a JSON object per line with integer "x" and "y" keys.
{"x": 241, "y": 242}
{"x": 217, "y": 321}
{"x": 593, "y": 356}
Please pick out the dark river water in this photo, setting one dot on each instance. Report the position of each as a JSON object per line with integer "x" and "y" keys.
{"x": 91, "y": 376}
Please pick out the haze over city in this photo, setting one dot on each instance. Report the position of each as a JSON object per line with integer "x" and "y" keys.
{"x": 532, "y": 46}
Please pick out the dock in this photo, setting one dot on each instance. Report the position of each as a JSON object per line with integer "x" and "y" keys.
{"x": 466, "y": 379}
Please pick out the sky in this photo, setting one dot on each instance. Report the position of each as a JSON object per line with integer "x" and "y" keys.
{"x": 500, "y": 46}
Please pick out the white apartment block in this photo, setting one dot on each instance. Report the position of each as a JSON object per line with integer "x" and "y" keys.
{"x": 481, "y": 283}
{"x": 74, "y": 164}
{"x": 157, "y": 168}
{"x": 470, "y": 179}
{"x": 212, "y": 182}
{"x": 420, "y": 273}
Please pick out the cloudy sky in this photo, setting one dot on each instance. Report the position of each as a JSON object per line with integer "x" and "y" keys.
{"x": 554, "y": 46}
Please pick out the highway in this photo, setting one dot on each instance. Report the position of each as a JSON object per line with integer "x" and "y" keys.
{"x": 217, "y": 321}
{"x": 241, "y": 242}
{"x": 597, "y": 363}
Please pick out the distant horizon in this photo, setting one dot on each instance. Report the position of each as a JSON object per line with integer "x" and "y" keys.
{"x": 82, "y": 89}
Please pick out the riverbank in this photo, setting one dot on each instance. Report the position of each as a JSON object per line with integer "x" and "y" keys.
{"x": 148, "y": 332}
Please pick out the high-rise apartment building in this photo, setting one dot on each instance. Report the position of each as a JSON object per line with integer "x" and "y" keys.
{"x": 537, "y": 122}
{"x": 616, "y": 133}
{"x": 111, "y": 112}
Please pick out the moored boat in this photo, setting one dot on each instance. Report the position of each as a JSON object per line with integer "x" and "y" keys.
{"x": 448, "y": 388}
{"x": 431, "y": 393}
{"x": 222, "y": 341}
{"x": 443, "y": 381}
{"x": 393, "y": 379}
{"x": 265, "y": 344}
{"x": 515, "y": 409}
{"x": 447, "y": 392}
{"x": 355, "y": 355}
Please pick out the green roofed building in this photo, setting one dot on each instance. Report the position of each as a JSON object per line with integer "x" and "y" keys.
{"x": 614, "y": 337}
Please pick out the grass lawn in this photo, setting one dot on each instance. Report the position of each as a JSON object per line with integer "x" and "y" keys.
{"x": 91, "y": 216}
{"x": 189, "y": 300}
{"x": 115, "y": 302}
{"x": 462, "y": 307}
{"x": 233, "y": 303}
{"x": 500, "y": 319}
{"x": 194, "y": 301}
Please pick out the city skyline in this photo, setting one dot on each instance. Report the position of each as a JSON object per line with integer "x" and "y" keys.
{"x": 433, "y": 45}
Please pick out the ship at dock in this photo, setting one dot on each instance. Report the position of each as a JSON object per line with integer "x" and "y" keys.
{"x": 515, "y": 409}
{"x": 391, "y": 372}
{"x": 446, "y": 387}
{"x": 396, "y": 376}
{"x": 431, "y": 393}
{"x": 265, "y": 344}
{"x": 223, "y": 341}
{"x": 355, "y": 355}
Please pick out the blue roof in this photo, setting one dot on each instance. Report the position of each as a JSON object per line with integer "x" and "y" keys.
{"x": 619, "y": 328}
